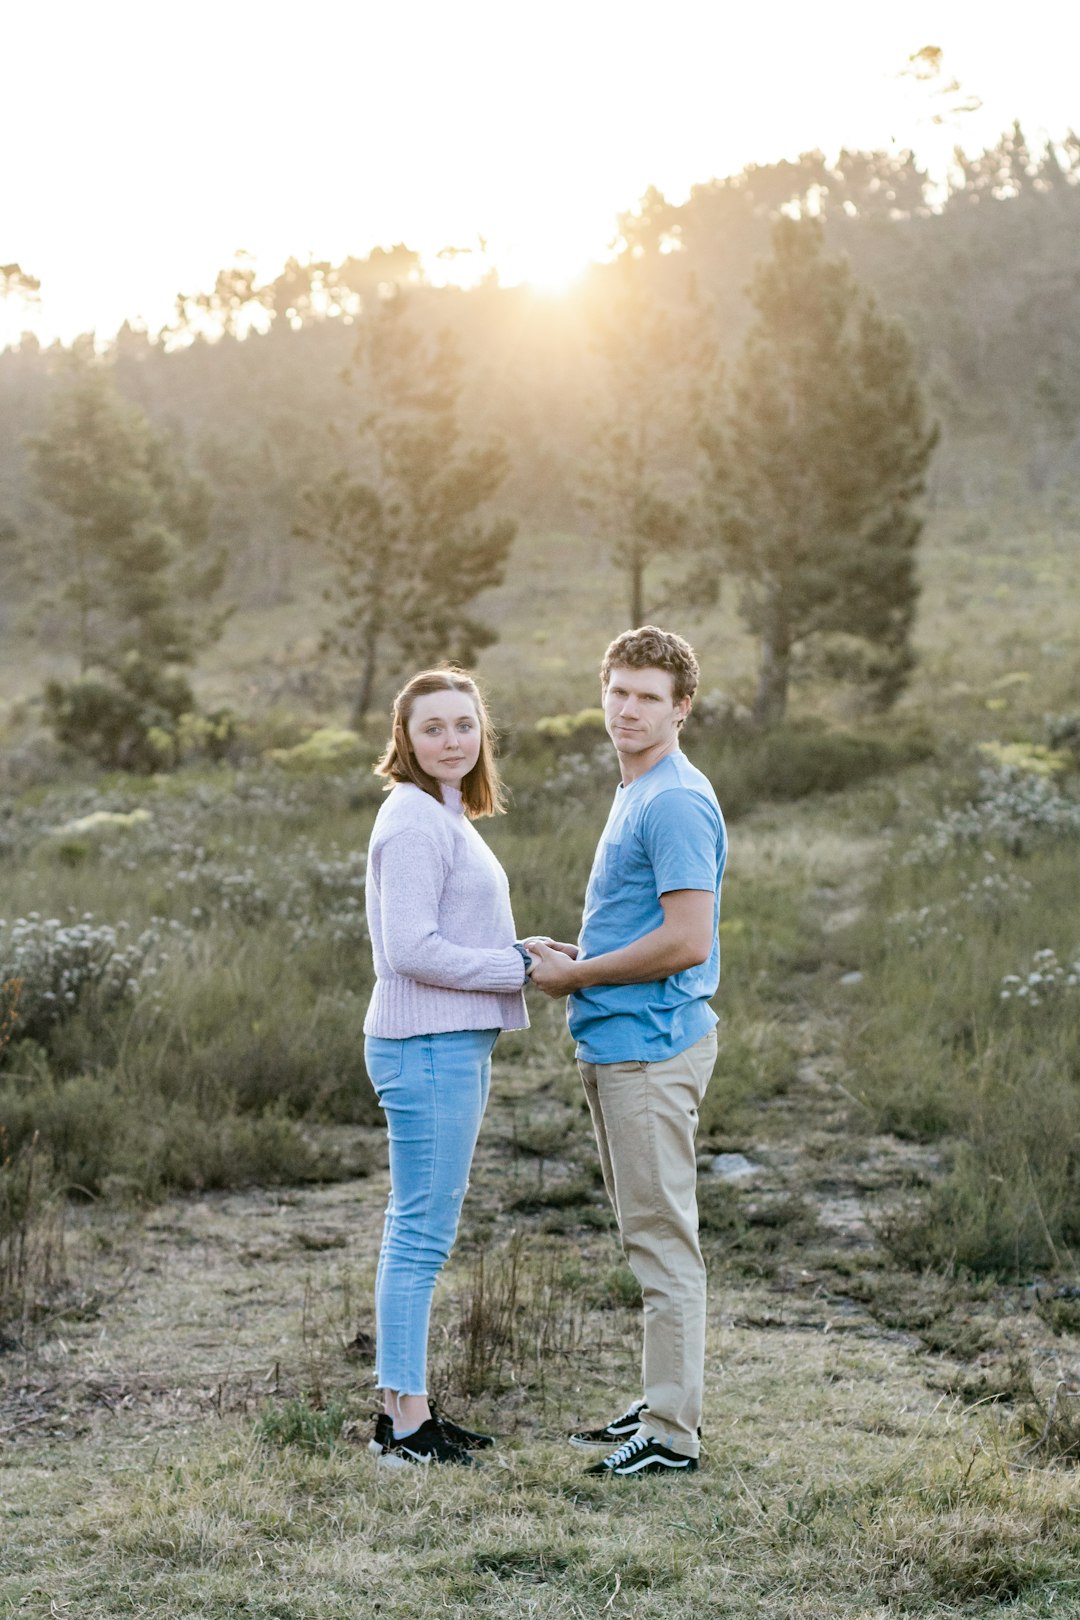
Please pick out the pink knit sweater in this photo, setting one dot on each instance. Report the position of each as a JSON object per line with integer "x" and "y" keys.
{"x": 442, "y": 932}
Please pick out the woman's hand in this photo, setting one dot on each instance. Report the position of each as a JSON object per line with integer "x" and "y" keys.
{"x": 553, "y": 944}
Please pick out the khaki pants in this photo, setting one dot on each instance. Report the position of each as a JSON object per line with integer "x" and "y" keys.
{"x": 645, "y": 1118}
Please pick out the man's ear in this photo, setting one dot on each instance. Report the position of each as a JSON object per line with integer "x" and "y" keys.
{"x": 684, "y": 707}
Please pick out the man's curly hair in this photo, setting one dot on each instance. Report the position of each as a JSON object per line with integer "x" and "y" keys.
{"x": 652, "y": 648}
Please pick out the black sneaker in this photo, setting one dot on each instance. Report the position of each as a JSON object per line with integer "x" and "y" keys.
{"x": 618, "y": 1429}
{"x": 427, "y": 1444}
{"x": 644, "y": 1455}
{"x": 384, "y": 1433}
{"x": 469, "y": 1438}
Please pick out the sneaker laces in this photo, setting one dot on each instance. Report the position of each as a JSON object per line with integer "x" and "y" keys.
{"x": 632, "y": 1414}
{"x": 631, "y": 1448}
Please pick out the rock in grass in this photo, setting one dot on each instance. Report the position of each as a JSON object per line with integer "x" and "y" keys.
{"x": 733, "y": 1167}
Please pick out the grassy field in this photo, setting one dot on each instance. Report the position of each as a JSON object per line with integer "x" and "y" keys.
{"x": 193, "y": 1170}
{"x": 880, "y": 1437}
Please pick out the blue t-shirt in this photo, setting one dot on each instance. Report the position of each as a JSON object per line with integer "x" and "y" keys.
{"x": 665, "y": 832}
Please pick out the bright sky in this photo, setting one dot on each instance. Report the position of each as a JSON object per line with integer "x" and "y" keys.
{"x": 145, "y": 142}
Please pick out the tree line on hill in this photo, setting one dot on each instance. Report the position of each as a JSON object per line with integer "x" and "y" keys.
{"x": 783, "y": 439}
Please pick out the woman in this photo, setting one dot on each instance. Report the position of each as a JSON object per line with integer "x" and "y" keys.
{"x": 448, "y": 977}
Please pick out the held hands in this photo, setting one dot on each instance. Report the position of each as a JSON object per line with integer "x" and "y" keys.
{"x": 551, "y": 960}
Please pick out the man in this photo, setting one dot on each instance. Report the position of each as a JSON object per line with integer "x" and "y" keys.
{"x": 639, "y": 982}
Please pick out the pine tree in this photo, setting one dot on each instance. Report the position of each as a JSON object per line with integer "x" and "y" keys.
{"x": 131, "y": 549}
{"x": 815, "y": 469}
{"x": 632, "y": 485}
{"x": 410, "y": 552}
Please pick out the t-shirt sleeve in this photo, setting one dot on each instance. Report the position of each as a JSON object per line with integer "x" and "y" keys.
{"x": 683, "y": 834}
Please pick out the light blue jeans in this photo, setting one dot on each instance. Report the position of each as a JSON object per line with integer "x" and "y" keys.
{"x": 433, "y": 1090}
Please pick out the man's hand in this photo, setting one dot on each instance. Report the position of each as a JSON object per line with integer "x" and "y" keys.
{"x": 553, "y": 970}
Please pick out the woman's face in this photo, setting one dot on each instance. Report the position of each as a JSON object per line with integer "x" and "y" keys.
{"x": 444, "y": 730}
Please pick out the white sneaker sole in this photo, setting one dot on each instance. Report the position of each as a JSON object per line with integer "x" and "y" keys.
{"x": 391, "y": 1459}
{"x": 609, "y": 1440}
{"x": 651, "y": 1464}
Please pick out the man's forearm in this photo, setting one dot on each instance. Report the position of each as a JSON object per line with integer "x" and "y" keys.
{"x": 654, "y": 956}
{"x": 684, "y": 939}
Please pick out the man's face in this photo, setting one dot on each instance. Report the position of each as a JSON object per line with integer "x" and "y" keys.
{"x": 640, "y": 710}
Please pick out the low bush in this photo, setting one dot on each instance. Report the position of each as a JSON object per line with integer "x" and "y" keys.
{"x": 53, "y": 969}
{"x": 124, "y": 719}
{"x": 1012, "y": 812}
{"x": 95, "y": 1138}
{"x": 1063, "y": 734}
{"x": 192, "y": 966}
{"x": 572, "y": 764}
{"x": 795, "y": 760}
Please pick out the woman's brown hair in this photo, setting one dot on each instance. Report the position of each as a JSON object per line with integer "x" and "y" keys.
{"x": 481, "y": 790}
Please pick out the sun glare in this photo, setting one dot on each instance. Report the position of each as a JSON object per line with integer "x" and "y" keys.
{"x": 541, "y": 160}
{"x": 546, "y": 265}
{"x": 550, "y": 267}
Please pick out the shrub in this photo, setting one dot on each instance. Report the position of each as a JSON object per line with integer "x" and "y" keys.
{"x": 1027, "y": 758}
{"x": 124, "y": 719}
{"x": 216, "y": 736}
{"x": 191, "y": 1154}
{"x": 795, "y": 760}
{"x": 1012, "y": 810}
{"x": 513, "y": 1313}
{"x": 757, "y": 1062}
{"x": 563, "y": 727}
{"x": 1063, "y": 735}
{"x": 329, "y": 746}
{"x": 1052, "y": 1425}
{"x": 580, "y": 775}
{"x": 1046, "y": 980}
{"x": 60, "y": 967}
{"x": 93, "y": 1135}
{"x": 1007, "y": 1207}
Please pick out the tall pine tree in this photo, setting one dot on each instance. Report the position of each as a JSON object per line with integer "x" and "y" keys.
{"x": 635, "y": 482}
{"x": 410, "y": 550}
{"x": 131, "y": 548}
{"x": 815, "y": 468}
{"x": 129, "y": 564}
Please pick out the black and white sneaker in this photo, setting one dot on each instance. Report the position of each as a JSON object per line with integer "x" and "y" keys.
{"x": 471, "y": 1439}
{"x": 427, "y": 1444}
{"x": 643, "y": 1455}
{"x": 619, "y": 1428}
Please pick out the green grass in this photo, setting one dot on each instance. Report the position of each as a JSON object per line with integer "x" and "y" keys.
{"x": 944, "y": 1049}
{"x": 298, "y": 1422}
